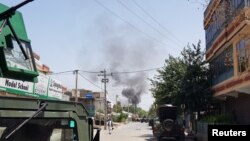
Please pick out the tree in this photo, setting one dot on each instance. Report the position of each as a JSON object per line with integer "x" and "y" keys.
{"x": 184, "y": 80}
{"x": 117, "y": 107}
{"x": 196, "y": 94}
{"x": 166, "y": 86}
{"x": 152, "y": 111}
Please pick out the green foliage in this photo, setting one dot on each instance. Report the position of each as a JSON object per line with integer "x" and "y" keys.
{"x": 117, "y": 108}
{"x": 137, "y": 110}
{"x": 141, "y": 112}
{"x": 196, "y": 82}
{"x": 184, "y": 80}
{"x": 120, "y": 118}
{"x": 152, "y": 111}
{"x": 166, "y": 85}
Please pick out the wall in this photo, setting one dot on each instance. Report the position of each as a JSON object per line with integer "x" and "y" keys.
{"x": 239, "y": 106}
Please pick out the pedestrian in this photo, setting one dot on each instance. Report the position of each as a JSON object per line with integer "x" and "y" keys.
{"x": 110, "y": 125}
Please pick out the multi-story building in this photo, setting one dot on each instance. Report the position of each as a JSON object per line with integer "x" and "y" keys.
{"x": 227, "y": 29}
{"x": 93, "y": 101}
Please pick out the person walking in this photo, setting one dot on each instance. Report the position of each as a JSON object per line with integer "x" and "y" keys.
{"x": 110, "y": 125}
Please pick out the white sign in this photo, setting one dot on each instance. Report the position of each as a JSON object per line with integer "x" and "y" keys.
{"x": 42, "y": 85}
{"x": 65, "y": 97}
{"x": 55, "y": 89}
{"x": 17, "y": 85}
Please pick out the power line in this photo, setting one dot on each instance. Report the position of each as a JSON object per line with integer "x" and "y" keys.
{"x": 125, "y": 6}
{"x": 156, "y": 21}
{"x": 89, "y": 81}
{"x": 147, "y": 23}
{"x": 63, "y": 72}
{"x": 88, "y": 71}
{"x": 136, "y": 71}
{"x": 122, "y": 19}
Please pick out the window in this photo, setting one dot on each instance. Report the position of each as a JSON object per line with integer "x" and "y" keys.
{"x": 222, "y": 66}
{"x": 243, "y": 54}
{"x": 17, "y": 63}
{"x": 14, "y": 56}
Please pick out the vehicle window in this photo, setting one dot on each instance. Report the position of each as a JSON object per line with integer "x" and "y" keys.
{"x": 62, "y": 135}
{"x": 1, "y": 130}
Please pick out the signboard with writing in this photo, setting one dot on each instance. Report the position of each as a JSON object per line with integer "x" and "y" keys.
{"x": 55, "y": 89}
{"x": 41, "y": 86}
{"x": 17, "y": 87}
{"x": 46, "y": 87}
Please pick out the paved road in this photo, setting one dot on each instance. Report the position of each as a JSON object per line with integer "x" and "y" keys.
{"x": 134, "y": 131}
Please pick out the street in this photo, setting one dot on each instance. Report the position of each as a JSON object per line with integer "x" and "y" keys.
{"x": 133, "y": 131}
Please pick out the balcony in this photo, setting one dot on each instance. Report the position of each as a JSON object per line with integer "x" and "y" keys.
{"x": 209, "y": 5}
{"x": 220, "y": 21}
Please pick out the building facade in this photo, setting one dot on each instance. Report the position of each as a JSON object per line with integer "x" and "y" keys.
{"x": 93, "y": 101}
{"x": 227, "y": 29}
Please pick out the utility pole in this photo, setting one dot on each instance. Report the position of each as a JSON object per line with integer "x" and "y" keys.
{"x": 128, "y": 107}
{"x": 105, "y": 80}
{"x": 116, "y": 107}
{"x": 76, "y": 73}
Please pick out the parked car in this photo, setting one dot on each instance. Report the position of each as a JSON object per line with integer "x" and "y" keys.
{"x": 150, "y": 122}
{"x": 144, "y": 119}
{"x": 169, "y": 127}
{"x": 156, "y": 126}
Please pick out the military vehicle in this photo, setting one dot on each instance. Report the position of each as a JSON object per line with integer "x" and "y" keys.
{"x": 38, "y": 118}
{"x": 26, "y": 119}
{"x": 170, "y": 127}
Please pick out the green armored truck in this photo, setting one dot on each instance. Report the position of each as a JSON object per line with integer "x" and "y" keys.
{"x": 25, "y": 119}
{"x": 39, "y": 118}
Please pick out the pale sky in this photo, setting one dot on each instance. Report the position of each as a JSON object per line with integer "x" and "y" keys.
{"x": 116, "y": 35}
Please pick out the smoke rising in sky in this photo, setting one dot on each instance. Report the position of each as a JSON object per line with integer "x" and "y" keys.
{"x": 123, "y": 51}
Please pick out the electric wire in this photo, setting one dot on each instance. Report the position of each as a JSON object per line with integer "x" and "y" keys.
{"x": 117, "y": 72}
{"x": 131, "y": 25}
{"x": 144, "y": 21}
{"x": 157, "y": 22}
{"x": 147, "y": 23}
{"x": 72, "y": 71}
{"x": 63, "y": 72}
{"x": 136, "y": 71}
{"x": 90, "y": 81}
{"x": 89, "y": 71}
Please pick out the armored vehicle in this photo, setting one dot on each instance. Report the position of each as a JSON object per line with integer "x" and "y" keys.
{"x": 38, "y": 118}
{"x": 25, "y": 119}
{"x": 170, "y": 128}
